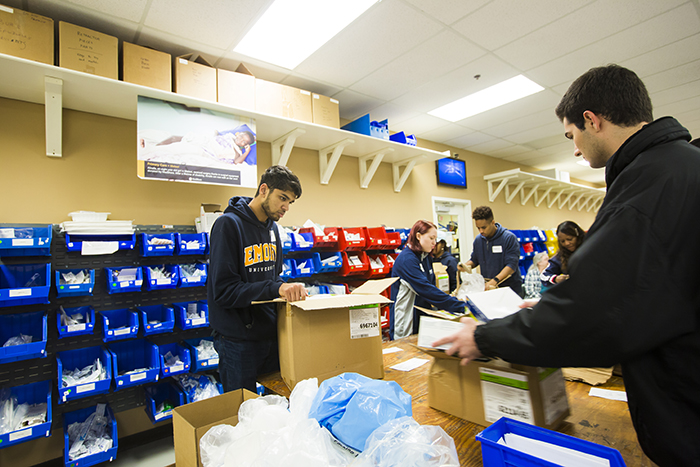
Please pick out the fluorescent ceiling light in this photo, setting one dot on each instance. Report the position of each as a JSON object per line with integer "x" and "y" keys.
{"x": 487, "y": 99}
{"x": 584, "y": 162}
{"x": 291, "y": 30}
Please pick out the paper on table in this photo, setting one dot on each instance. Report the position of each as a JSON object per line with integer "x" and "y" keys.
{"x": 551, "y": 452}
{"x": 99, "y": 248}
{"x": 432, "y": 329}
{"x": 391, "y": 350}
{"x": 608, "y": 394}
{"x": 409, "y": 365}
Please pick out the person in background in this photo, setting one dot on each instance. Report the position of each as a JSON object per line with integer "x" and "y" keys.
{"x": 245, "y": 261}
{"x": 497, "y": 251}
{"x": 533, "y": 284}
{"x": 416, "y": 284}
{"x": 441, "y": 254}
{"x": 633, "y": 295}
{"x": 570, "y": 237}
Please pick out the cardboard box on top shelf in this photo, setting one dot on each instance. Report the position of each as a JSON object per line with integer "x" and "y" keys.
{"x": 146, "y": 66}
{"x": 326, "y": 110}
{"x": 194, "y": 76}
{"x": 208, "y": 213}
{"x": 192, "y": 421}
{"x": 283, "y": 101}
{"x": 89, "y": 51}
{"x": 236, "y": 88}
{"x": 26, "y": 35}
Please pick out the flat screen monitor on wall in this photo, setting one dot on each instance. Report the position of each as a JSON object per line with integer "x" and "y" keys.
{"x": 451, "y": 172}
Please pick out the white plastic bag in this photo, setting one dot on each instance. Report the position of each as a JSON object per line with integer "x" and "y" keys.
{"x": 470, "y": 283}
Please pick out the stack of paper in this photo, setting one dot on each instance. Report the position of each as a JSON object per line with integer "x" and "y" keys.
{"x": 98, "y": 228}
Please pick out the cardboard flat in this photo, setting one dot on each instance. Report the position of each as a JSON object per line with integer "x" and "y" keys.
{"x": 146, "y": 67}
{"x": 194, "y": 76}
{"x": 283, "y": 101}
{"x": 26, "y": 35}
{"x": 236, "y": 88}
{"x": 89, "y": 51}
{"x": 592, "y": 376}
{"x": 325, "y": 110}
{"x": 443, "y": 314}
{"x": 192, "y": 421}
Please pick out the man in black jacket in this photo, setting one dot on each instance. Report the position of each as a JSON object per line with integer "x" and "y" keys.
{"x": 633, "y": 296}
{"x": 245, "y": 261}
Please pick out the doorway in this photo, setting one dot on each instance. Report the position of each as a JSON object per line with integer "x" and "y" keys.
{"x": 453, "y": 218}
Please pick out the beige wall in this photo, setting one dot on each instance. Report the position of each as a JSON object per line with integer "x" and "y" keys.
{"x": 98, "y": 173}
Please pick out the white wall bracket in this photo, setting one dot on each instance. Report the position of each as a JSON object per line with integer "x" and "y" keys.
{"x": 327, "y": 166}
{"x": 510, "y": 195}
{"x": 376, "y": 158}
{"x": 401, "y": 177}
{"x": 282, "y": 146}
{"x": 53, "y": 107}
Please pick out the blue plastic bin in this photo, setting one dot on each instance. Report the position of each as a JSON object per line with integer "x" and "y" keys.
{"x": 69, "y": 360}
{"x": 25, "y": 284}
{"x": 119, "y": 324}
{"x": 303, "y": 267}
{"x": 189, "y": 395}
{"x": 364, "y": 126}
{"x": 498, "y": 455}
{"x": 329, "y": 262}
{"x": 197, "y": 281}
{"x": 164, "y": 283}
{"x": 199, "y": 363}
{"x": 35, "y": 393}
{"x": 288, "y": 269}
{"x": 157, "y": 250}
{"x": 30, "y": 324}
{"x": 74, "y": 290}
{"x": 123, "y": 242}
{"x": 162, "y": 314}
{"x": 302, "y": 241}
{"x": 184, "y": 322}
{"x": 132, "y": 355}
{"x": 70, "y": 330}
{"x": 114, "y": 285}
{"x": 402, "y": 138}
{"x": 80, "y": 416}
{"x": 286, "y": 244}
{"x": 178, "y": 350}
{"x": 27, "y": 241}
{"x": 185, "y": 243}
{"x": 157, "y": 394}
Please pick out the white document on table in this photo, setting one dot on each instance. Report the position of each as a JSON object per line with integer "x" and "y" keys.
{"x": 432, "y": 329}
{"x": 411, "y": 364}
{"x": 392, "y": 350}
{"x": 608, "y": 394}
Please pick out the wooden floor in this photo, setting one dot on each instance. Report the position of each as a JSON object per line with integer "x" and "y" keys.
{"x": 601, "y": 421}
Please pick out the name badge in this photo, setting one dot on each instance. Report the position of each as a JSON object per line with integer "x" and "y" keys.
{"x": 497, "y": 249}
{"x": 272, "y": 236}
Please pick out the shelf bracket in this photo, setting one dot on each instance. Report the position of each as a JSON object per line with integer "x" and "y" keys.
{"x": 554, "y": 200}
{"x": 509, "y": 195}
{"x": 563, "y": 202}
{"x": 326, "y": 165}
{"x": 401, "y": 177}
{"x": 376, "y": 158}
{"x": 595, "y": 206}
{"x": 525, "y": 198}
{"x": 282, "y": 146}
{"x": 538, "y": 200}
{"x": 53, "y": 107}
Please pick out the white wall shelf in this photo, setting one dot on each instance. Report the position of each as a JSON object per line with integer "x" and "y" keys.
{"x": 540, "y": 188}
{"x": 26, "y": 80}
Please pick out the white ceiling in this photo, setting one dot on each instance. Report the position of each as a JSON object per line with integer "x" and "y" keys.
{"x": 403, "y": 58}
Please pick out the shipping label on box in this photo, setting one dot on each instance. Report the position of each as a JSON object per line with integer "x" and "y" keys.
{"x": 505, "y": 395}
{"x": 89, "y": 51}
{"x": 26, "y": 35}
{"x": 364, "y": 322}
{"x": 147, "y": 67}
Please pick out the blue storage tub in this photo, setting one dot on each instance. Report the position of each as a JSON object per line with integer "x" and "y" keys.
{"x": 364, "y": 126}
{"x": 184, "y": 322}
{"x": 286, "y": 244}
{"x": 30, "y": 324}
{"x": 87, "y": 327}
{"x": 80, "y": 416}
{"x": 199, "y": 363}
{"x": 123, "y": 242}
{"x": 191, "y": 244}
{"x": 164, "y": 283}
{"x": 157, "y": 394}
{"x": 178, "y": 350}
{"x": 329, "y": 262}
{"x": 27, "y": 241}
{"x": 80, "y": 358}
{"x": 157, "y": 250}
{"x": 114, "y": 285}
{"x": 197, "y": 281}
{"x": 302, "y": 241}
{"x": 133, "y": 355}
{"x": 163, "y": 314}
{"x": 122, "y": 323}
{"x": 189, "y": 395}
{"x": 402, "y": 138}
{"x": 498, "y": 455}
{"x": 288, "y": 269}
{"x": 74, "y": 290}
{"x": 35, "y": 393}
{"x": 25, "y": 284}
{"x": 303, "y": 267}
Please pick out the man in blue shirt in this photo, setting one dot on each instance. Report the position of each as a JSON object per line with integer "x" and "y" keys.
{"x": 497, "y": 251}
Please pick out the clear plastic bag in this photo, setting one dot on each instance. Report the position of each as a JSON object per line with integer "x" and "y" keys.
{"x": 18, "y": 340}
{"x": 470, "y": 283}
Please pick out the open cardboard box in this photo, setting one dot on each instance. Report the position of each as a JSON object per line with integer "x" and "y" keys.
{"x": 208, "y": 213}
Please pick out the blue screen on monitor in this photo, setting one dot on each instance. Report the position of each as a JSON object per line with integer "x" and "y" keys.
{"x": 452, "y": 172}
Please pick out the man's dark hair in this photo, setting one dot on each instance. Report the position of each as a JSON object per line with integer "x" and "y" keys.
{"x": 279, "y": 177}
{"x": 482, "y": 213}
{"x": 612, "y": 92}
{"x": 442, "y": 242}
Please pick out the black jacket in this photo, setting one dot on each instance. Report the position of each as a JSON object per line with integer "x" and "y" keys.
{"x": 633, "y": 296}
{"x": 245, "y": 261}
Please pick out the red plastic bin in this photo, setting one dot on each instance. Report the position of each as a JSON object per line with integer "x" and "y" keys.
{"x": 354, "y": 263}
{"x": 378, "y": 272}
{"x": 355, "y": 238}
{"x": 327, "y": 241}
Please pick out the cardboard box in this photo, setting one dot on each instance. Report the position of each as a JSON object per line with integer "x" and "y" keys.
{"x": 326, "y": 110}
{"x": 194, "y": 76}
{"x": 283, "y": 101}
{"x": 26, "y": 35}
{"x": 192, "y": 421}
{"x": 325, "y": 336}
{"x": 208, "y": 213}
{"x": 147, "y": 67}
{"x": 89, "y": 51}
{"x": 236, "y": 88}
{"x": 442, "y": 279}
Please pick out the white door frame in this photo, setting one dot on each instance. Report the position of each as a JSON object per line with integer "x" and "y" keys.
{"x": 466, "y": 232}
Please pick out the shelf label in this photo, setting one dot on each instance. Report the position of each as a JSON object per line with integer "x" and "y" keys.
{"x": 163, "y": 281}
{"x": 76, "y": 327}
{"x": 121, "y": 332}
{"x": 213, "y": 361}
{"x": 20, "y": 293}
{"x": 198, "y": 321}
{"x": 22, "y": 242}
{"x": 73, "y": 287}
{"x": 179, "y": 367}
{"x": 14, "y": 436}
{"x": 124, "y": 284}
{"x": 364, "y": 322}
{"x": 137, "y": 377}
{"x": 85, "y": 388}
{"x": 161, "y": 415}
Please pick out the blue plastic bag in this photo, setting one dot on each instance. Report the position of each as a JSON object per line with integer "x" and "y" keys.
{"x": 352, "y": 406}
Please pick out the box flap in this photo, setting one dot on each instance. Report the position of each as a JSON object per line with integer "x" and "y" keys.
{"x": 442, "y": 314}
{"x": 340, "y": 301}
{"x": 196, "y": 58}
{"x": 244, "y": 69}
{"x": 373, "y": 287}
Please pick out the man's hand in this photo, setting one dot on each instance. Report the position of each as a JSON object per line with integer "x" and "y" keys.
{"x": 491, "y": 285}
{"x": 463, "y": 343}
{"x": 293, "y": 291}
{"x": 561, "y": 278}
{"x": 461, "y": 267}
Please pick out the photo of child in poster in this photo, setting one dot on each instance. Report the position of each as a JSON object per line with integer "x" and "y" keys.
{"x": 180, "y": 143}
